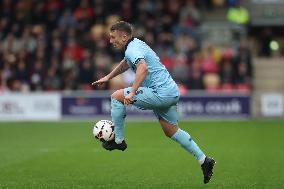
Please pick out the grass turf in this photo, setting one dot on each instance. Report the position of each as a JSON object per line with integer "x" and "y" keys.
{"x": 249, "y": 154}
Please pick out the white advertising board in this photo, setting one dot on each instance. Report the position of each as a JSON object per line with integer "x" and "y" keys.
{"x": 272, "y": 104}
{"x": 30, "y": 106}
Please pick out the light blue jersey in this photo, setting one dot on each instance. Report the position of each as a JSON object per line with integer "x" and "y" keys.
{"x": 158, "y": 77}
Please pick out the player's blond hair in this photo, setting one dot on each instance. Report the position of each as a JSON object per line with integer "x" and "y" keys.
{"x": 122, "y": 26}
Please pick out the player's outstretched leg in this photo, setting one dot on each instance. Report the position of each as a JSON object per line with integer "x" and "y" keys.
{"x": 185, "y": 140}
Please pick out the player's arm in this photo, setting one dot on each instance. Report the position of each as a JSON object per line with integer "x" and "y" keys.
{"x": 120, "y": 68}
{"x": 141, "y": 73}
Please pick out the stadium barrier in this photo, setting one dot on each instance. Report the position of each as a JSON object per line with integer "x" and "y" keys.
{"x": 194, "y": 105}
{"x": 96, "y": 105}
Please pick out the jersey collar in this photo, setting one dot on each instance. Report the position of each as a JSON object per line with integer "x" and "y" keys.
{"x": 129, "y": 40}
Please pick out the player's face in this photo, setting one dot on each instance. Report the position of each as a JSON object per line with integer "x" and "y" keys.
{"x": 118, "y": 39}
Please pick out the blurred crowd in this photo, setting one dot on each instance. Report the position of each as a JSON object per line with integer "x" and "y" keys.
{"x": 54, "y": 45}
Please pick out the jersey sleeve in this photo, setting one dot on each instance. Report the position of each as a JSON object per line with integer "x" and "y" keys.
{"x": 134, "y": 55}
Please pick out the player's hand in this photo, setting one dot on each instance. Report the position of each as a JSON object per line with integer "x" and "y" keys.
{"x": 129, "y": 98}
{"x": 101, "y": 81}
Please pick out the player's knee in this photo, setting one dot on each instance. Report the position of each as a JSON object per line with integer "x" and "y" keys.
{"x": 168, "y": 134}
{"x": 118, "y": 95}
{"x": 169, "y": 127}
{"x": 115, "y": 95}
{"x": 169, "y": 130}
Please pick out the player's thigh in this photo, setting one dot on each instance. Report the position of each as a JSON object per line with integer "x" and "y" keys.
{"x": 145, "y": 98}
{"x": 169, "y": 114}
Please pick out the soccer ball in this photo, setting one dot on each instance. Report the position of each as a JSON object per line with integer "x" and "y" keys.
{"x": 104, "y": 130}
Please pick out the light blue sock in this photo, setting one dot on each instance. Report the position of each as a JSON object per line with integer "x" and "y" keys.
{"x": 118, "y": 114}
{"x": 185, "y": 140}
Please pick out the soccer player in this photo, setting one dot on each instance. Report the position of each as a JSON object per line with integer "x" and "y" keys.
{"x": 153, "y": 89}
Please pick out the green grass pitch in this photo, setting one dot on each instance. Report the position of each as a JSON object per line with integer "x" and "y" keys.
{"x": 61, "y": 155}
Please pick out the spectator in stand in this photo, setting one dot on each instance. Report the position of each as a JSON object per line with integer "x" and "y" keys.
{"x": 210, "y": 68}
{"x": 84, "y": 14}
{"x": 210, "y": 59}
{"x": 74, "y": 50}
{"x": 264, "y": 40}
{"x": 70, "y": 80}
{"x": 21, "y": 72}
{"x": 53, "y": 9}
{"x": 187, "y": 46}
{"x": 103, "y": 63}
{"x": 239, "y": 18}
{"x": 243, "y": 67}
{"x": 181, "y": 69}
{"x": 86, "y": 71}
{"x": 11, "y": 44}
{"x": 226, "y": 71}
{"x": 190, "y": 14}
{"x": 27, "y": 41}
{"x": 67, "y": 21}
{"x": 195, "y": 73}
{"x": 37, "y": 76}
{"x": 237, "y": 14}
{"x": 56, "y": 47}
{"x": 3, "y": 87}
{"x": 52, "y": 81}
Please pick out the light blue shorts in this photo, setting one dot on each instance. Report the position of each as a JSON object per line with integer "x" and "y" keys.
{"x": 163, "y": 107}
